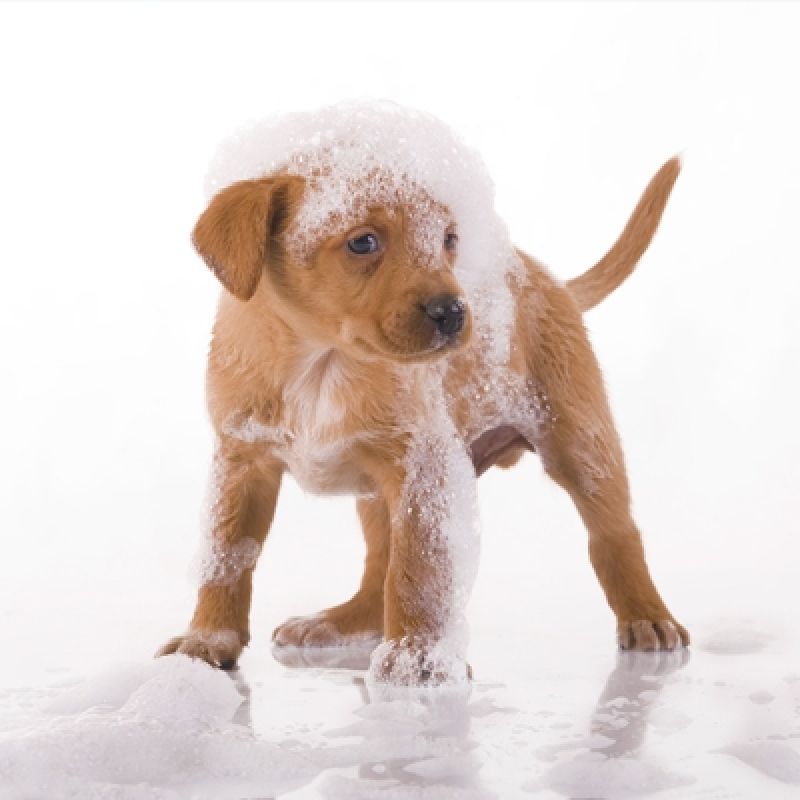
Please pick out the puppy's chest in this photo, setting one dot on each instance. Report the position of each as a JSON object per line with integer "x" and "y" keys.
{"x": 313, "y": 432}
{"x": 320, "y": 464}
{"x": 323, "y": 466}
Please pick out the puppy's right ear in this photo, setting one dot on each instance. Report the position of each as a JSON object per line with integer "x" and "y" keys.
{"x": 233, "y": 233}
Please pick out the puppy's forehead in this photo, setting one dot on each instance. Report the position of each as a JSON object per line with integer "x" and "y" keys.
{"x": 344, "y": 190}
{"x": 335, "y": 203}
{"x": 353, "y": 155}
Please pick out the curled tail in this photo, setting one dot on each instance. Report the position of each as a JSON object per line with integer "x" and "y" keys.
{"x": 611, "y": 270}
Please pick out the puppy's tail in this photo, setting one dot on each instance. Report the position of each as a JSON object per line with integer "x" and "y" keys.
{"x": 611, "y": 270}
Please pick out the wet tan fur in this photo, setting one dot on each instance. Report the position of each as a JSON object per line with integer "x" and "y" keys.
{"x": 314, "y": 348}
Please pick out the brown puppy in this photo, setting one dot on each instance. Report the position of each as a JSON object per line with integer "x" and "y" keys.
{"x": 350, "y": 351}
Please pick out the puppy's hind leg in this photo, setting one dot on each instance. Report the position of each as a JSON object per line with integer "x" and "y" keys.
{"x": 582, "y": 453}
{"x": 590, "y": 468}
{"x": 361, "y": 617}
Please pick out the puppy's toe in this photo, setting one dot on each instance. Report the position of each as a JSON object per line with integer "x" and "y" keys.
{"x": 170, "y": 646}
{"x": 317, "y": 630}
{"x": 295, "y": 631}
{"x": 643, "y": 634}
{"x": 218, "y": 648}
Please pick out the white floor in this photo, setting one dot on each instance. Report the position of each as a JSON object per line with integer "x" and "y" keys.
{"x": 555, "y": 711}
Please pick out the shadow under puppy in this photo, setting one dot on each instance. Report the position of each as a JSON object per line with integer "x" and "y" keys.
{"x": 380, "y": 336}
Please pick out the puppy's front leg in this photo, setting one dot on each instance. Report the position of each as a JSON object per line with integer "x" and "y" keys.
{"x": 244, "y": 494}
{"x": 432, "y": 557}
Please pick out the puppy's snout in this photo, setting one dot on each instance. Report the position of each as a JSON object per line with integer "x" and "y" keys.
{"x": 447, "y": 312}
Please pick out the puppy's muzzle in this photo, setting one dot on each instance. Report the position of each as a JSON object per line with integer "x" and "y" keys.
{"x": 447, "y": 312}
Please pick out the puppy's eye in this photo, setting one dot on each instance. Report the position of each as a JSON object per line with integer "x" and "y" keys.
{"x": 364, "y": 245}
{"x": 451, "y": 242}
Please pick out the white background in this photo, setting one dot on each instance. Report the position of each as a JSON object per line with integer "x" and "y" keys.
{"x": 109, "y": 114}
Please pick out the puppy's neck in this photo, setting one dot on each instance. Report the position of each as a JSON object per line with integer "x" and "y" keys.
{"x": 317, "y": 388}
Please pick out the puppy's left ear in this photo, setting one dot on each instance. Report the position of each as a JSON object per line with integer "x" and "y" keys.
{"x": 233, "y": 235}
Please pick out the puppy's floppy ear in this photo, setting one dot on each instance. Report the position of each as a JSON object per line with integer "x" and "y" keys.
{"x": 233, "y": 234}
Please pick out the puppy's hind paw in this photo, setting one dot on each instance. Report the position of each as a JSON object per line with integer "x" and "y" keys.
{"x": 325, "y": 629}
{"x": 644, "y": 634}
{"x": 218, "y": 648}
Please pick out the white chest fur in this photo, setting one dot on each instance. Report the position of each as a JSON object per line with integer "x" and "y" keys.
{"x": 314, "y": 397}
{"x": 324, "y": 468}
{"x": 309, "y": 439}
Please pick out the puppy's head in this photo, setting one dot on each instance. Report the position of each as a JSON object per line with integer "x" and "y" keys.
{"x": 377, "y": 282}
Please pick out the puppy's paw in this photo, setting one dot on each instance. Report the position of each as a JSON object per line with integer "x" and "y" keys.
{"x": 326, "y": 629}
{"x": 416, "y": 662}
{"x": 217, "y": 648}
{"x": 644, "y": 634}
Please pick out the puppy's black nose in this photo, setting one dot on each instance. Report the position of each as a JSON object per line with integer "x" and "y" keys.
{"x": 447, "y": 312}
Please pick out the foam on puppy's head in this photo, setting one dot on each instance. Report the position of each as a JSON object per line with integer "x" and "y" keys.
{"x": 358, "y": 155}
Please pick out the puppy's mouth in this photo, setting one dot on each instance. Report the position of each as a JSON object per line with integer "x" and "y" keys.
{"x": 440, "y": 344}
{"x": 445, "y": 341}
{"x": 408, "y": 336}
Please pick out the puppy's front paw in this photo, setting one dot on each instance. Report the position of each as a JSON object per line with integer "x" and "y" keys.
{"x": 417, "y": 662}
{"x": 644, "y": 634}
{"x": 217, "y": 648}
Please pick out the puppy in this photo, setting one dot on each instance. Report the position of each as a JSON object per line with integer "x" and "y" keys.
{"x": 380, "y": 336}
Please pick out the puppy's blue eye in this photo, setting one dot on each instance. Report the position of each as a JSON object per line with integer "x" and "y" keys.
{"x": 364, "y": 245}
{"x": 451, "y": 242}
